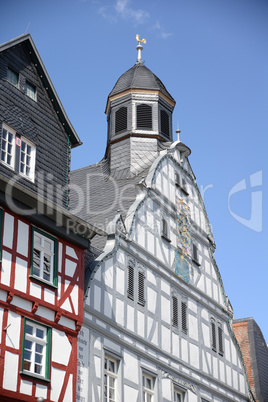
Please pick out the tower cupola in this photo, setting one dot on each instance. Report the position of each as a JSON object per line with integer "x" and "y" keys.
{"x": 139, "y": 107}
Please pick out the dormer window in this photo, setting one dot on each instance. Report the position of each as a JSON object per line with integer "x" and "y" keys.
{"x": 121, "y": 119}
{"x": 13, "y": 77}
{"x": 164, "y": 118}
{"x": 30, "y": 90}
{"x": 144, "y": 117}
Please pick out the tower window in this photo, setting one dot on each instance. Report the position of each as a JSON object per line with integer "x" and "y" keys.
{"x": 144, "y": 117}
{"x": 141, "y": 299}
{"x": 130, "y": 289}
{"x": 164, "y": 122}
{"x": 175, "y": 321}
{"x": 121, "y": 119}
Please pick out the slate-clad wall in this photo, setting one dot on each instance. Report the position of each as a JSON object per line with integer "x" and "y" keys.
{"x": 36, "y": 121}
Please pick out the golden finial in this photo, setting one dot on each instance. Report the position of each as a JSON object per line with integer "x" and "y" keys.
{"x": 139, "y": 47}
{"x": 140, "y": 41}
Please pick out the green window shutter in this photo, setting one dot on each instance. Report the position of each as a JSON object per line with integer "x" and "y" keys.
{"x": 48, "y": 356}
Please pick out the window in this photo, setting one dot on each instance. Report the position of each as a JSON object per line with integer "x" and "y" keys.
{"x": 184, "y": 317}
{"x": 130, "y": 289}
{"x": 165, "y": 229}
{"x": 18, "y": 153}
{"x": 216, "y": 337}
{"x": 44, "y": 257}
{"x": 36, "y": 349}
{"x": 13, "y": 77}
{"x": 178, "y": 395}
{"x": 144, "y": 117}
{"x": 147, "y": 387}
{"x": 195, "y": 254}
{"x": 181, "y": 183}
{"x": 175, "y": 320}
{"x": 110, "y": 378}
{"x": 30, "y": 90}
{"x": 121, "y": 119}
{"x": 141, "y": 288}
{"x": 164, "y": 122}
{"x": 136, "y": 283}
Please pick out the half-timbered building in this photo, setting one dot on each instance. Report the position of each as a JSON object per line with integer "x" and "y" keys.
{"x": 42, "y": 245}
{"x": 157, "y": 323}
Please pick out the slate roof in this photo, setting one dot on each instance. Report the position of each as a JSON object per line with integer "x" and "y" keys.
{"x": 139, "y": 77}
{"x": 33, "y": 52}
{"x": 255, "y": 354}
{"x": 103, "y": 195}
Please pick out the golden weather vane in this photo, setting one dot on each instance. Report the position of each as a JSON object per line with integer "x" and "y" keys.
{"x": 140, "y": 40}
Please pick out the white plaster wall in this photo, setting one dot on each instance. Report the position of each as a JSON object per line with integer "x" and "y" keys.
{"x": 57, "y": 377}
{"x": 21, "y": 275}
{"x": 23, "y": 238}
{"x": 60, "y": 343}
{"x": 6, "y": 268}
{"x": 13, "y": 330}
{"x": 69, "y": 390}
{"x": 26, "y": 387}
{"x": 8, "y": 230}
{"x": 11, "y": 367}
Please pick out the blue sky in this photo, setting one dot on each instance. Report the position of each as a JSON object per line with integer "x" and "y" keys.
{"x": 212, "y": 57}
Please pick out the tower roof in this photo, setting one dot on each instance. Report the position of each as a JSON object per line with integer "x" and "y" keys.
{"x": 139, "y": 77}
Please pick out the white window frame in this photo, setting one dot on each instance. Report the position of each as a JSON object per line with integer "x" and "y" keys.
{"x": 44, "y": 254}
{"x": 16, "y": 151}
{"x": 148, "y": 393}
{"x": 36, "y": 350}
{"x": 178, "y": 392}
{"x": 31, "y": 90}
{"x": 111, "y": 376}
{"x": 12, "y": 73}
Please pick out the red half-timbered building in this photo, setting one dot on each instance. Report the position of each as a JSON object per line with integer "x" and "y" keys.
{"x": 42, "y": 244}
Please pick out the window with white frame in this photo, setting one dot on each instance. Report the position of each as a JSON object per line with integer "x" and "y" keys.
{"x": 148, "y": 383}
{"x": 36, "y": 349}
{"x": 44, "y": 257}
{"x": 18, "y": 153}
{"x": 110, "y": 378}
{"x": 13, "y": 77}
{"x": 30, "y": 90}
{"x": 179, "y": 394}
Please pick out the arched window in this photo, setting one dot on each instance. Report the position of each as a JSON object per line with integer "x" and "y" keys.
{"x": 144, "y": 117}
{"x": 121, "y": 119}
{"x": 164, "y": 117}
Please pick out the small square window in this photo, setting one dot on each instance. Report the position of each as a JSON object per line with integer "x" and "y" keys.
{"x": 44, "y": 257}
{"x": 36, "y": 350}
{"x": 31, "y": 90}
{"x": 13, "y": 77}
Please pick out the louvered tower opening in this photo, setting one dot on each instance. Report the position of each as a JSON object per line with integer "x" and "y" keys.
{"x": 121, "y": 119}
{"x": 213, "y": 334}
{"x": 144, "y": 117}
{"x": 220, "y": 341}
{"x": 164, "y": 117}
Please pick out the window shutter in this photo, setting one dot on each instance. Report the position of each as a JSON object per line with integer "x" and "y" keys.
{"x": 184, "y": 317}
{"x": 164, "y": 122}
{"x": 195, "y": 254}
{"x": 220, "y": 341}
{"x": 164, "y": 228}
{"x": 175, "y": 322}
{"x": 141, "y": 288}
{"x": 213, "y": 333}
{"x": 121, "y": 119}
{"x": 144, "y": 116}
{"x": 130, "y": 289}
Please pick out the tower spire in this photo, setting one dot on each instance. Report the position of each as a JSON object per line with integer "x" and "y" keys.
{"x": 139, "y": 47}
